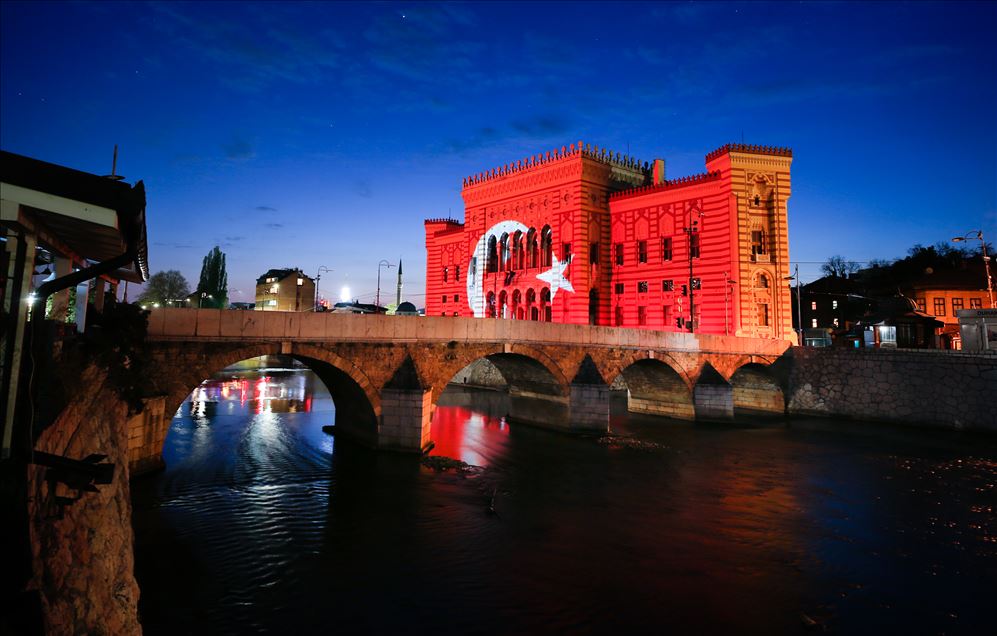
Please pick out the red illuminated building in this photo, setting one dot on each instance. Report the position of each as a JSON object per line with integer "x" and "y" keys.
{"x": 581, "y": 235}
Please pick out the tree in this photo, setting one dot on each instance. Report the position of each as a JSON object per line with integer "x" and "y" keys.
{"x": 166, "y": 288}
{"x": 838, "y": 267}
{"x": 213, "y": 286}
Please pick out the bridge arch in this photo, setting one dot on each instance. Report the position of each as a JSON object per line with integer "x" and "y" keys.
{"x": 515, "y": 364}
{"x": 756, "y": 389}
{"x": 656, "y": 387}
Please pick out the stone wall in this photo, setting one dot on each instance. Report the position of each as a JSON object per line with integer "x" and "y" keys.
{"x": 82, "y": 553}
{"x": 927, "y": 387}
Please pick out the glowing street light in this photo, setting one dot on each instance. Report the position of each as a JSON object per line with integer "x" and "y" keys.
{"x": 383, "y": 263}
{"x": 799, "y": 311}
{"x": 318, "y": 277}
{"x": 978, "y": 235}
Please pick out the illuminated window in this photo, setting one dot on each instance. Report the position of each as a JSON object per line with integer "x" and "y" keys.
{"x": 642, "y": 315}
{"x": 939, "y": 306}
{"x": 835, "y": 323}
{"x": 301, "y": 281}
{"x": 813, "y": 323}
{"x": 619, "y": 253}
{"x": 455, "y": 314}
{"x": 921, "y": 306}
{"x": 619, "y": 288}
{"x": 619, "y": 316}
{"x": 697, "y": 283}
{"x": 666, "y": 249}
{"x": 834, "y": 304}
{"x": 694, "y": 246}
{"x": 976, "y": 303}
{"x": 667, "y": 285}
{"x": 813, "y": 305}
{"x": 641, "y": 251}
{"x": 274, "y": 289}
{"x": 446, "y": 274}
{"x": 642, "y": 286}
{"x": 272, "y": 302}
{"x": 957, "y": 304}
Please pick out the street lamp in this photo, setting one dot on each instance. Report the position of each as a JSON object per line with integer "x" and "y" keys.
{"x": 200, "y": 300}
{"x": 728, "y": 287}
{"x": 690, "y": 231}
{"x": 799, "y": 311}
{"x": 978, "y": 235}
{"x": 318, "y": 277}
{"x": 383, "y": 263}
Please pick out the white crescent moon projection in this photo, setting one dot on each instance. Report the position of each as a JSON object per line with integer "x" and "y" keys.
{"x": 475, "y": 279}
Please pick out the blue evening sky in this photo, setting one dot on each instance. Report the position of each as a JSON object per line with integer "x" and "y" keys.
{"x": 323, "y": 134}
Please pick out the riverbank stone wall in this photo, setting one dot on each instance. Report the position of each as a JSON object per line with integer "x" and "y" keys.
{"x": 933, "y": 388}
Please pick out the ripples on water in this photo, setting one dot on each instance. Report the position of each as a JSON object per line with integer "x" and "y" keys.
{"x": 262, "y": 523}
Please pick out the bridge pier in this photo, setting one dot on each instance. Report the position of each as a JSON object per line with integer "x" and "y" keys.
{"x": 588, "y": 407}
{"x": 146, "y": 434}
{"x": 714, "y": 402}
{"x": 405, "y": 420}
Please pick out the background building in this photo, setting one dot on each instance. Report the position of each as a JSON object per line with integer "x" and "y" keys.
{"x": 581, "y": 235}
{"x": 285, "y": 290}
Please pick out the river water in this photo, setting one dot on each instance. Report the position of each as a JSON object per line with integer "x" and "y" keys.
{"x": 262, "y": 523}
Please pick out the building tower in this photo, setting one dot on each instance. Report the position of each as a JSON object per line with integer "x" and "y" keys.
{"x": 398, "y": 296}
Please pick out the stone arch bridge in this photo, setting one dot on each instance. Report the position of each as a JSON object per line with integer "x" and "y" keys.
{"x": 385, "y": 373}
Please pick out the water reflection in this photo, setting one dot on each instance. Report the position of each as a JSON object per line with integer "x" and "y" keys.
{"x": 764, "y": 527}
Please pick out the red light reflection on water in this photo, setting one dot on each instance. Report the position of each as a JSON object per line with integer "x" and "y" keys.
{"x": 467, "y": 435}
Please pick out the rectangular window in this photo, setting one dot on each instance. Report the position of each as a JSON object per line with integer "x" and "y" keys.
{"x": 957, "y": 304}
{"x": 443, "y": 313}
{"x": 565, "y": 252}
{"x": 667, "y": 312}
{"x": 976, "y": 303}
{"x": 834, "y": 304}
{"x": 921, "y": 306}
{"x": 456, "y": 273}
{"x": 667, "y": 285}
{"x": 813, "y": 305}
{"x": 275, "y": 289}
{"x": 446, "y": 271}
{"x": 694, "y": 246}
{"x": 619, "y": 316}
{"x": 666, "y": 249}
{"x": 301, "y": 281}
{"x": 641, "y": 251}
{"x": 619, "y": 288}
{"x": 813, "y": 323}
{"x": 444, "y": 299}
{"x": 697, "y": 283}
{"x": 272, "y": 302}
{"x": 456, "y": 298}
{"x": 939, "y": 306}
{"x": 757, "y": 242}
{"x": 763, "y": 315}
{"x": 642, "y": 286}
{"x": 619, "y": 253}
{"x": 455, "y": 314}
{"x": 594, "y": 253}
{"x": 642, "y": 316}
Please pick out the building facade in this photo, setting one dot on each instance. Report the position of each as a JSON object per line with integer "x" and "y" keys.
{"x": 584, "y": 236}
{"x": 285, "y": 290}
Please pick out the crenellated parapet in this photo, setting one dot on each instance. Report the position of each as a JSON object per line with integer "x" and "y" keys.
{"x": 588, "y": 151}
{"x": 749, "y": 148}
{"x": 672, "y": 184}
{"x": 444, "y": 221}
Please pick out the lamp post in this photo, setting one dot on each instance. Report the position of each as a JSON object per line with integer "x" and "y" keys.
{"x": 690, "y": 231}
{"x": 978, "y": 235}
{"x": 799, "y": 310}
{"x": 383, "y": 263}
{"x": 318, "y": 277}
{"x": 728, "y": 286}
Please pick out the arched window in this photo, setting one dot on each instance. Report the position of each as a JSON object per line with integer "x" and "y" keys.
{"x": 531, "y": 305}
{"x": 517, "y": 304}
{"x": 532, "y": 249}
{"x": 492, "y": 255}
{"x": 503, "y": 304}
{"x": 504, "y": 253}
{"x": 517, "y": 250}
{"x": 545, "y": 304}
{"x": 546, "y": 245}
{"x": 593, "y": 306}
{"x": 490, "y": 305}
{"x": 763, "y": 281}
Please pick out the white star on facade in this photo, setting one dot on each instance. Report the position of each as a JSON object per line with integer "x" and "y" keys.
{"x": 555, "y": 277}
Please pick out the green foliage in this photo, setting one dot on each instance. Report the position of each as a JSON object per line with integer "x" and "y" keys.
{"x": 167, "y": 288}
{"x": 214, "y": 280}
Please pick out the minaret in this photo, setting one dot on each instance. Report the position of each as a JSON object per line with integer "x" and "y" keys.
{"x": 398, "y": 300}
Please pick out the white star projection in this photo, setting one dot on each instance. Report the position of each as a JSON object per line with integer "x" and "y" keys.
{"x": 555, "y": 277}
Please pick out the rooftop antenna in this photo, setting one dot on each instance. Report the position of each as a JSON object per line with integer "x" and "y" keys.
{"x": 114, "y": 167}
